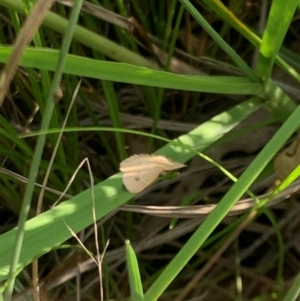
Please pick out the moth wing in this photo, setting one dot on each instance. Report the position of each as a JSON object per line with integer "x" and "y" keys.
{"x": 142, "y": 162}
{"x": 165, "y": 163}
{"x": 136, "y": 181}
{"x": 139, "y": 171}
{"x": 135, "y": 162}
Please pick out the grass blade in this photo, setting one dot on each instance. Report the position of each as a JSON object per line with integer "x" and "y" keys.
{"x": 136, "y": 287}
{"x": 20, "y": 233}
{"x": 109, "y": 194}
{"x": 274, "y": 34}
{"x": 216, "y": 216}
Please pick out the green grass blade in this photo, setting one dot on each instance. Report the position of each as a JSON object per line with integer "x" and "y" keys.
{"x": 114, "y": 111}
{"x": 216, "y": 216}
{"x": 110, "y": 194}
{"x": 230, "y": 18}
{"x": 277, "y": 101}
{"x": 87, "y": 37}
{"x": 121, "y": 72}
{"x": 294, "y": 290}
{"x": 136, "y": 287}
{"x": 7, "y": 131}
{"x": 218, "y": 39}
{"x": 280, "y": 18}
{"x": 20, "y": 233}
{"x": 237, "y": 24}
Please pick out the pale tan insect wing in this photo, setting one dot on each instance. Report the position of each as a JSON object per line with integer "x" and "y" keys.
{"x": 137, "y": 181}
{"x": 166, "y": 163}
{"x": 139, "y": 171}
{"x": 134, "y": 162}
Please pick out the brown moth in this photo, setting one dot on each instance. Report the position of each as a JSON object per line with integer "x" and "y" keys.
{"x": 139, "y": 171}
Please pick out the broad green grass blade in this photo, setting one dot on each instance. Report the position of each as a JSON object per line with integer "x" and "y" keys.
{"x": 135, "y": 281}
{"x": 121, "y": 72}
{"x": 280, "y": 18}
{"x": 216, "y": 216}
{"x": 109, "y": 194}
